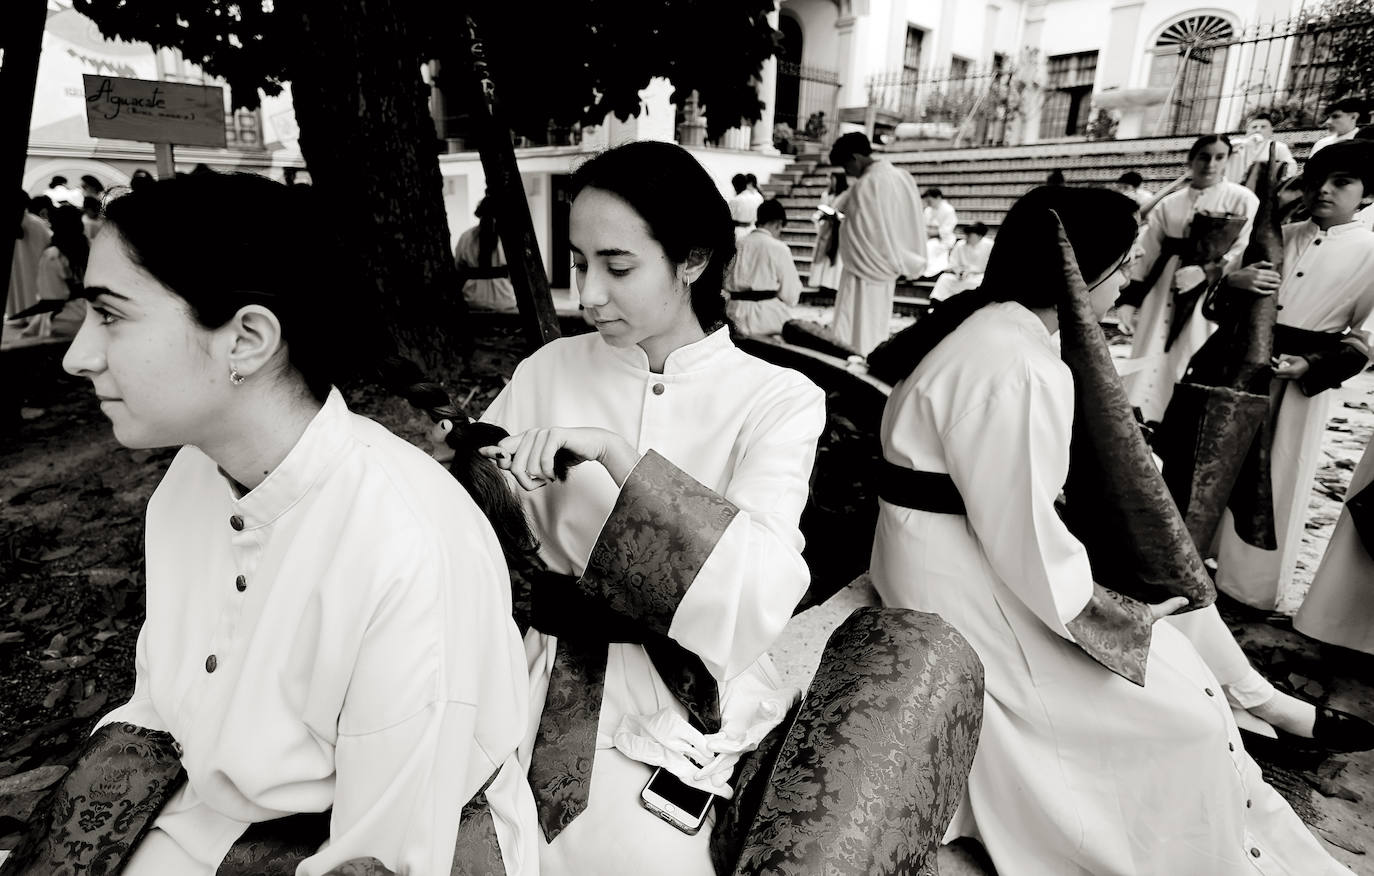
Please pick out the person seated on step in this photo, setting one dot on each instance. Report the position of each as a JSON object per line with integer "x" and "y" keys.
{"x": 763, "y": 283}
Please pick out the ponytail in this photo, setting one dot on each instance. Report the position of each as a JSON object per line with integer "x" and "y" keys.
{"x": 1025, "y": 266}
{"x": 481, "y": 477}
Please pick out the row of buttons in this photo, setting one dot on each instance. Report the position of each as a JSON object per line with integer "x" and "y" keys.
{"x": 1231, "y": 746}
{"x": 240, "y": 584}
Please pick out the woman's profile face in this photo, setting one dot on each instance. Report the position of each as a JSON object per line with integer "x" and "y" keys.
{"x": 149, "y": 362}
{"x": 1103, "y": 293}
{"x": 1209, "y": 162}
{"x": 628, "y": 286}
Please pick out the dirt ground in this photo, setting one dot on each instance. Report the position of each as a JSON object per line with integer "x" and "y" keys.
{"x": 71, "y": 586}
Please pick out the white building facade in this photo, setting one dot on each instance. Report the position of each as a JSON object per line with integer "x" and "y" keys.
{"x": 1024, "y": 71}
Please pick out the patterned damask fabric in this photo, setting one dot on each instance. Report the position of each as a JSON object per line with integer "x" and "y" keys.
{"x": 1117, "y": 503}
{"x": 477, "y": 853}
{"x": 565, "y": 744}
{"x": 663, "y": 527}
{"x": 868, "y": 775}
{"x": 274, "y": 848}
{"x": 1201, "y": 444}
{"x": 659, "y": 534}
{"x": 97, "y": 814}
{"x": 1115, "y": 631}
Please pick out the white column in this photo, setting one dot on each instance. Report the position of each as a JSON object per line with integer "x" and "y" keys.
{"x": 767, "y": 87}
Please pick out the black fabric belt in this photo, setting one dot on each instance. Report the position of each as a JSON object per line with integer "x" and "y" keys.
{"x": 753, "y": 295}
{"x": 1292, "y": 341}
{"x": 920, "y": 490}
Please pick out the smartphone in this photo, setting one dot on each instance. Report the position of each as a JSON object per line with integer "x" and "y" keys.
{"x": 676, "y": 802}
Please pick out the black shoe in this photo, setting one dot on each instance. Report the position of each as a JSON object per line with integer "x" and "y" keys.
{"x": 1333, "y": 731}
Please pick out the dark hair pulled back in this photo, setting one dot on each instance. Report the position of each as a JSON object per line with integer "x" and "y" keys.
{"x": 262, "y": 242}
{"x": 678, "y": 200}
{"x": 1024, "y": 266}
{"x": 481, "y": 477}
{"x": 1207, "y": 140}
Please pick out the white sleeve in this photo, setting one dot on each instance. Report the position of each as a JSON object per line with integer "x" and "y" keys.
{"x": 1009, "y": 458}
{"x": 139, "y": 710}
{"x": 407, "y": 755}
{"x": 745, "y": 592}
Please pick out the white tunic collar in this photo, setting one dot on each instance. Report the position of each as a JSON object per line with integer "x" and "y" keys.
{"x": 690, "y": 357}
{"x": 318, "y": 449}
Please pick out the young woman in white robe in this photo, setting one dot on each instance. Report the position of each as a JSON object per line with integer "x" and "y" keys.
{"x": 328, "y": 612}
{"x": 1327, "y": 288}
{"x": 1148, "y": 312}
{"x": 672, "y": 418}
{"x": 1079, "y": 770}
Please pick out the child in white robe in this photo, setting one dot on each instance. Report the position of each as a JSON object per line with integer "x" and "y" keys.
{"x": 1147, "y": 306}
{"x": 762, "y": 282}
{"x": 1327, "y": 290}
{"x": 1105, "y": 747}
{"x": 328, "y": 612}
{"x": 967, "y": 262}
{"x": 684, "y": 518}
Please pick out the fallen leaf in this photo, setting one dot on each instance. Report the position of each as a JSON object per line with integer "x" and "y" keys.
{"x": 55, "y": 693}
{"x": 36, "y": 614}
{"x": 10, "y": 636}
{"x": 56, "y": 647}
{"x": 65, "y": 663}
{"x": 32, "y": 780}
{"x": 60, "y": 554}
{"x": 91, "y": 704}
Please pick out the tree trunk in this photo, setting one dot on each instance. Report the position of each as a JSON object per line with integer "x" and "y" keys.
{"x": 21, "y": 23}
{"x": 538, "y": 317}
{"x": 370, "y": 145}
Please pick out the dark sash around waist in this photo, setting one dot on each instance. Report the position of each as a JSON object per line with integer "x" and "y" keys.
{"x": 920, "y": 490}
{"x": 1292, "y": 341}
{"x": 753, "y": 295}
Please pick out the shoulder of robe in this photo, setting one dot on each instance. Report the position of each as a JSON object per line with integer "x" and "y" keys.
{"x": 188, "y": 467}
{"x": 407, "y": 490}
{"x": 766, "y": 381}
{"x": 560, "y": 353}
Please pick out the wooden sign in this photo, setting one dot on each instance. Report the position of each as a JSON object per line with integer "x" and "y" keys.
{"x": 155, "y": 112}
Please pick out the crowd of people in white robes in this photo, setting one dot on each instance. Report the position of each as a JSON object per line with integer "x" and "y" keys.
{"x": 331, "y": 624}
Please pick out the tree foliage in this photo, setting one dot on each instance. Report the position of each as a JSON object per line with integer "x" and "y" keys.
{"x": 563, "y": 61}
{"x": 1347, "y": 29}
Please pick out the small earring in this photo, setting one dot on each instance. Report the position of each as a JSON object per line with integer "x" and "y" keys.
{"x": 235, "y": 377}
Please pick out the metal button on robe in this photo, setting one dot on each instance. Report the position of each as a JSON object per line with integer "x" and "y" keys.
{"x": 210, "y": 663}
{"x": 1208, "y": 691}
{"x": 658, "y": 389}
{"x": 1231, "y": 746}
{"x": 1299, "y": 273}
{"x": 241, "y": 583}
{"x": 236, "y": 522}
{"x": 1254, "y": 852}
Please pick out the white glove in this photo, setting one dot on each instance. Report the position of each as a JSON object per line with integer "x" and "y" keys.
{"x": 1188, "y": 277}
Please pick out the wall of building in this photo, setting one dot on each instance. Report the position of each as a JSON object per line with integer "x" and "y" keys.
{"x": 59, "y": 143}
{"x": 820, "y": 40}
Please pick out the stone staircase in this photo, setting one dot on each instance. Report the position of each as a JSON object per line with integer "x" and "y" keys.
{"x": 983, "y": 183}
